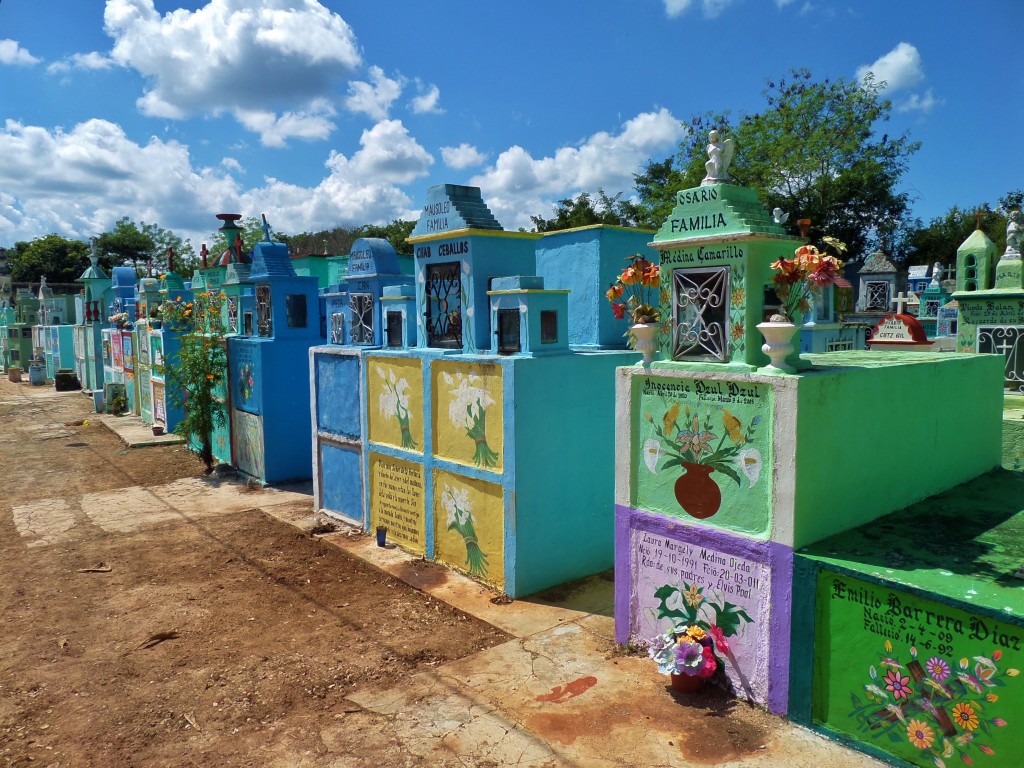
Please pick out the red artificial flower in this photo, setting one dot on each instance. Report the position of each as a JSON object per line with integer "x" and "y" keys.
{"x": 720, "y": 642}
{"x": 710, "y": 663}
{"x": 619, "y": 310}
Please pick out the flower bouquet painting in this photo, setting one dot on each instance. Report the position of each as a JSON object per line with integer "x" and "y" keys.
{"x": 703, "y": 442}
{"x": 457, "y": 505}
{"x": 692, "y": 650}
{"x": 393, "y": 403}
{"x": 467, "y": 410}
{"x": 944, "y": 709}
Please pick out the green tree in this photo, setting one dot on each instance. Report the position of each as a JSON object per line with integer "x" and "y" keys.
{"x": 583, "y": 211}
{"x": 124, "y": 244}
{"x": 142, "y": 245}
{"x": 194, "y": 374}
{"x": 57, "y": 258}
{"x": 656, "y": 188}
{"x": 944, "y": 234}
{"x": 397, "y": 233}
{"x": 815, "y": 152}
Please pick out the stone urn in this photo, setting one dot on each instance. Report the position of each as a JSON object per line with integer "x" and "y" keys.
{"x": 778, "y": 338}
{"x": 644, "y": 338}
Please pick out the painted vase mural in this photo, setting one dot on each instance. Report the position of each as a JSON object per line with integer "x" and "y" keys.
{"x": 703, "y": 443}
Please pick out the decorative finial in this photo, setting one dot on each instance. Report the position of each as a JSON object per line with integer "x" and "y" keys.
{"x": 779, "y": 216}
{"x": 204, "y": 253}
{"x": 805, "y": 227}
{"x": 170, "y": 259}
{"x": 1013, "y": 232}
{"x": 93, "y": 256}
{"x": 266, "y": 228}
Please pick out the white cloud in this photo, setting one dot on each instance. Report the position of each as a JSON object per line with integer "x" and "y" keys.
{"x": 918, "y": 103}
{"x": 462, "y": 156}
{"x": 92, "y": 61}
{"x": 427, "y": 102}
{"x": 783, "y": 3}
{"x": 389, "y": 154}
{"x": 77, "y": 183}
{"x": 711, "y": 8}
{"x": 245, "y": 57}
{"x": 518, "y": 185}
{"x": 230, "y": 164}
{"x": 374, "y": 98}
{"x": 900, "y": 68}
{"x": 12, "y": 53}
{"x": 275, "y": 130}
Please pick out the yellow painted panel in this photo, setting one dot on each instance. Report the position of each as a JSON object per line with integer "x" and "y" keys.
{"x": 467, "y": 413}
{"x": 395, "y": 402}
{"x": 469, "y": 526}
{"x": 396, "y": 500}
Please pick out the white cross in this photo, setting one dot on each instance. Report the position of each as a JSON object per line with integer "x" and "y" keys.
{"x": 900, "y": 301}
{"x": 1004, "y": 347}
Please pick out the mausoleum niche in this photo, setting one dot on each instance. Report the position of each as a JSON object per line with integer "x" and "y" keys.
{"x": 264, "y": 316}
{"x": 360, "y": 306}
{"x": 443, "y": 302}
{"x": 700, "y": 313}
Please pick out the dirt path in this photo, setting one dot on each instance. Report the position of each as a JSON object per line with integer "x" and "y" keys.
{"x": 151, "y": 618}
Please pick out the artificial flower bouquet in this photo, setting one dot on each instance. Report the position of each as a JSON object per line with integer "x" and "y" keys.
{"x": 795, "y": 279}
{"x": 690, "y": 649}
{"x": 635, "y": 291}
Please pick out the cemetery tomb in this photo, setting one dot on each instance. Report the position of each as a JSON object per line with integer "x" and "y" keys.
{"x": 268, "y": 369}
{"x": 725, "y": 466}
{"x": 485, "y": 352}
{"x": 916, "y": 625}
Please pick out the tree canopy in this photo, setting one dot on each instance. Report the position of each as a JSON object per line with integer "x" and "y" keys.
{"x": 143, "y": 245}
{"x": 814, "y": 152}
{"x": 583, "y": 211}
{"x": 56, "y": 258}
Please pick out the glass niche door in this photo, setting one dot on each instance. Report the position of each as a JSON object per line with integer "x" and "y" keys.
{"x": 443, "y": 305}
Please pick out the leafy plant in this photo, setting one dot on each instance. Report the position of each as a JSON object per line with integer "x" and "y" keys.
{"x": 198, "y": 368}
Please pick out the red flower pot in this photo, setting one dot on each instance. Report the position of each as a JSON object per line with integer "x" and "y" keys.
{"x": 687, "y": 683}
{"x": 697, "y": 493}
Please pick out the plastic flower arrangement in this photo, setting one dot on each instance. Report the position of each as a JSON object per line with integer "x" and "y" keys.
{"x": 689, "y": 649}
{"x": 635, "y": 289}
{"x": 699, "y": 633}
{"x": 809, "y": 269}
{"x": 119, "y": 319}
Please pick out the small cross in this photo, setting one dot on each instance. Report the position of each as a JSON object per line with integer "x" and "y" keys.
{"x": 977, "y": 215}
{"x": 1004, "y": 347}
{"x": 900, "y": 301}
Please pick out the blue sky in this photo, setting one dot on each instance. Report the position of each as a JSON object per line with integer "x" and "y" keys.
{"x": 329, "y": 113}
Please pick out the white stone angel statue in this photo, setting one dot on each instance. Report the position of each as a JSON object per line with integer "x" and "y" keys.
{"x": 719, "y": 156}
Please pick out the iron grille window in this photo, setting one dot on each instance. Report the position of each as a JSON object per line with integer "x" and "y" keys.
{"x": 443, "y": 302}
{"x": 232, "y": 314}
{"x": 508, "y": 332}
{"x": 360, "y": 306}
{"x": 264, "y": 318}
{"x": 931, "y": 308}
{"x": 878, "y": 296}
{"x": 394, "y": 329}
{"x": 1007, "y": 341}
{"x": 700, "y": 302}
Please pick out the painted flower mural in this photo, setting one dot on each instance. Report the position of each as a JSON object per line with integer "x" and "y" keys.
{"x": 702, "y": 442}
{"x": 467, "y": 409}
{"x": 460, "y": 519}
{"x": 942, "y": 708}
{"x": 393, "y": 403}
{"x": 246, "y": 380}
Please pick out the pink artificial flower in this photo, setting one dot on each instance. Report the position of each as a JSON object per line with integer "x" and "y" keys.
{"x": 720, "y": 642}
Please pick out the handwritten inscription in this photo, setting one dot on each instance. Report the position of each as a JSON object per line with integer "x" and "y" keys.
{"x": 920, "y": 623}
{"x": 702, "y": 255}
{"x": 703, "y": 391}
{"x": 398, "y": 499}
